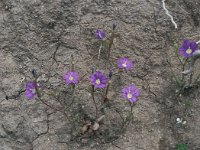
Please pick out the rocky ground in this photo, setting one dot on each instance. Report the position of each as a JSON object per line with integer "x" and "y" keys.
{"x": 32, "y": 30}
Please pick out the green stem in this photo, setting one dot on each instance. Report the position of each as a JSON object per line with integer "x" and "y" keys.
{"x": 106, "y": 92}
{"x": 101, "y": 45}
{"x": 111, "y": 43}
{"x": 190, "y": 81}
{"x": 72, "y": 57}
{"x": 92, "y": 93}
{"x": 131, "y": 114}
{"x": 177, "y": 55}
{"x": 198, "y": 77}
{"x": 73, "y": 87}
{"x": 183, "y": 68}
{"x": 132, "y": 104}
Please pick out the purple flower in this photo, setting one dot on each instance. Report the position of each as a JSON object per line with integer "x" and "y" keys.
{"x": 71, "y": 77}
{"x": 30, "y": 90}
{"x": 100, "y": 34}
{"x": 98, "y": 79}
{"x": 131, "y": 93}
{"x": 125, "y": 63}
{"x": 187, "y": 48}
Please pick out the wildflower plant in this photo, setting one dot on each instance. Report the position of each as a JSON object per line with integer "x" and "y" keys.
{"x": 98, "y": 82}
{"x": 131, "y": 94}
{"x": 187, "y": 54}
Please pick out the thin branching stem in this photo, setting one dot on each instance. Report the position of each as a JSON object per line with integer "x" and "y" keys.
{"x": 106, "y": 91}
{"x": 45, "y": 103}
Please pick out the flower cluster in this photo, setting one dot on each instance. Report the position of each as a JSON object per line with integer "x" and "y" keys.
{"x": 97, "y": 79}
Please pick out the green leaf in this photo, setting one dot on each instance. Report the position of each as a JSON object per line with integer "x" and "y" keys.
{"x": 176, "y": 46}
{"x": 181, "y": 59}
{"x": 105, "y": 43}
{"x": 179, "y": 82}
{"x": 181, "y": 147}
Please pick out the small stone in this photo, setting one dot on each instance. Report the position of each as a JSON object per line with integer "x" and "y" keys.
{"x": 184, "y": 122}
{"x": 178, "y": 120}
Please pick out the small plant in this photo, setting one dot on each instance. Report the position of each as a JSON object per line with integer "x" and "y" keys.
{"x": 99, "y": 84}
{"x": 187, "y": 55}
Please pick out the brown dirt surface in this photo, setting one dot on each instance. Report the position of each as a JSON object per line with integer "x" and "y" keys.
{"x": 32, "y": 31}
